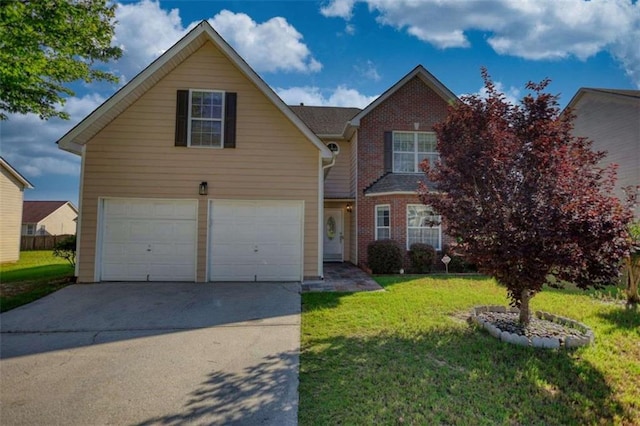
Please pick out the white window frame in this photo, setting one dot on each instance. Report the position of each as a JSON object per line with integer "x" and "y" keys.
{"x": 416, "y": 163}
{"x": 375, "y": 219}
{"x": 30, "y": 229}
{"x": 438, "y": 227}
{"x": 190, "y": 119}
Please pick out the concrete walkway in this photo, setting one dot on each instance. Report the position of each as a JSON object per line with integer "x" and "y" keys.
{"x": 153, "y": 353}
{"x": 342, "y": 277}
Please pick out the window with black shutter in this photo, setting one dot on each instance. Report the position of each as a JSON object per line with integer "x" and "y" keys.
{"x": 206, "y": 118}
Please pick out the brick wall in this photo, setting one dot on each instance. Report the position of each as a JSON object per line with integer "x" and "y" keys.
{"x": 415, "y": 102}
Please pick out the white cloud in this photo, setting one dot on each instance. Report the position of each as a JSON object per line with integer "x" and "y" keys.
{"x": 144, "y": 31}
{"x": 341, "y": 96}
{"x": 530, "y": 29}
{"x": 368, "y": 70}
{"x": 272, "y": 46}
{"x": 28, "y": 142}
{"x": 338, "y": 9}
{"x": 511, "y": 95}
{"x": 349, "y": 29}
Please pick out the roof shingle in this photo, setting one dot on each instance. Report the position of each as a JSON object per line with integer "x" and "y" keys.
{"x": 323, "y": 120}
{"x": 35, "y": 211}
{"x": 398, "y": 182}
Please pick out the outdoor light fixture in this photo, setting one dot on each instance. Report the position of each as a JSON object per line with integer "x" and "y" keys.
{"x": 349, "y": 207}
{"x": 203, "y": 189}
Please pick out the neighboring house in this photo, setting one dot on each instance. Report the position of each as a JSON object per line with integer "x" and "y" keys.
{"x": 49, "y": 218}
{"x": 197, "y": 171}
{"x": 611, "y": 119}
{"x": 12, "y": 189}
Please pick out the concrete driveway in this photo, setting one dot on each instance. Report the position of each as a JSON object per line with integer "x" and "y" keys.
{"x": 153, "y": 353}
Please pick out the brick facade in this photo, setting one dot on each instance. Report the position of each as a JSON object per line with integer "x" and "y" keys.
{"x": 414, "y": 102}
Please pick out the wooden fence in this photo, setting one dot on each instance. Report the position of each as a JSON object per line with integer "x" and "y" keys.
{"x": 40, "y": 242}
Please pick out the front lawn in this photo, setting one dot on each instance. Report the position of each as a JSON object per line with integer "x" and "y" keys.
{"x": 407, "y": 356}
{"x": 35, "y": 275}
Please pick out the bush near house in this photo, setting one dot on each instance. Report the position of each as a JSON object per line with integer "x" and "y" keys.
{"x": 385, "y": 256}
{"x": 66, "y": 249}
{"x": 422, "y": 257}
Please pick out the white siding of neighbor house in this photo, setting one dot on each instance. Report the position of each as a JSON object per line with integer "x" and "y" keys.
{"x": 613, "y": 124}
{"x": 11, "y": 197}
{"x": 134, "y": 156}
{"x": 60, "y": 222}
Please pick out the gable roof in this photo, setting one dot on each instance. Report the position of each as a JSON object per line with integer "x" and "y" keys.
{"x": 420, "y": 72}
{"x": 325, "y": 121}
{"x": 35, "y": 211}
{"x": 79, "y": 135}
{"x": 8, "y": 167}
{"x": 619, "y": 93}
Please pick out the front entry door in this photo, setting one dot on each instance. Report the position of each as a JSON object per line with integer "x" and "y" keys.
{"x": 333, "y": 235}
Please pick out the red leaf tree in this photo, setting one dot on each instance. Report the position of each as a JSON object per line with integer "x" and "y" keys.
{"x": 525, "y": 198}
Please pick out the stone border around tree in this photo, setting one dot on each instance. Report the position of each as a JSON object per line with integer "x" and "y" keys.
{"x": 568, "y": 342}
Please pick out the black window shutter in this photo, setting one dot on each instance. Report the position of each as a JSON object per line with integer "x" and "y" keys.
{"x": 182, "y": 117}
{"x": 388, "y": 152}
{"x": 230, "y": 103}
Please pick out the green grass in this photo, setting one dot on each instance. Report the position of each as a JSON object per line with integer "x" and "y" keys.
{"x": 407, "y": 356}
{"x": 35, "y": 275}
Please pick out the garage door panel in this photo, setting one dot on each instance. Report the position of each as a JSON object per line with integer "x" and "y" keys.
{"x": 256, "y": 240}
{"x": 148, "y": 240}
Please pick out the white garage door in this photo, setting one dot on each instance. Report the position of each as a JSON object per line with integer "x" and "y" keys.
{"x": 148, "y": 240}
{"x": 256, "y": 240}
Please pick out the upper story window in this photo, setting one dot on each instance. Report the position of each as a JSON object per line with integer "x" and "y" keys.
{"x": 206, "y": 118}
{"x": 206, "y": 113}
{"x": 334, "y": 147}
{"x": 410, "y": 148}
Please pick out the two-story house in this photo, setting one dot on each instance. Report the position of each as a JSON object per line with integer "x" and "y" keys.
{"x": 610, "y": 118}
{"x": 197, "y": 171}
{"x": 371, "y": 191}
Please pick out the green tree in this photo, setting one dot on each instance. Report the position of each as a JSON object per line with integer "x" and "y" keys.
{"x": 45, "y": 44}
{"x": 66, "y": 249}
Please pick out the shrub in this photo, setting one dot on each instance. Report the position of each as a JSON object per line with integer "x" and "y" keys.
{"x": 385, "y": 256}
{"x": 66, "y": 249}
{"x": 458, "y": 262}
{"x": 422, "y": 257}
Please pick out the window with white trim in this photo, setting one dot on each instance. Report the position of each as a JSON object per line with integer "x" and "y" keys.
{"x": 206, "y": 113}
{"x": 383, "y": 222}
{"x": 423, "y": 226}
{"x": 30, "y": 229}
{"x": 410, "y": 148}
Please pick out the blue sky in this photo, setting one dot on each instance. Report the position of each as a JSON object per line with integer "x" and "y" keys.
{"x": 347, "y": 52}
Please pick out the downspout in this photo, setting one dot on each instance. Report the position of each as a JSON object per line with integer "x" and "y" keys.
{"x": 326, "y": 167}
{"x": 325, "y": 171}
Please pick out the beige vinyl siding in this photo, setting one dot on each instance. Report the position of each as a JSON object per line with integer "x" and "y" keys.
{"x": 11, "y": 196}
{"x": 60, "y": 222}
{"x": 134, "y": 156}
{"x": 613, "y": 124}
{"x": 338, "y": 183}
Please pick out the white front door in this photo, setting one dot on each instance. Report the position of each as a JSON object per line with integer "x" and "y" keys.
{"x": 333, "y": 235}
{"x": 256, "y": 240}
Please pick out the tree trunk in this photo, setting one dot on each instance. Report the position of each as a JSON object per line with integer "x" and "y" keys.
{"x": 524, "y": 307}
{"x": 633, "y": 278}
